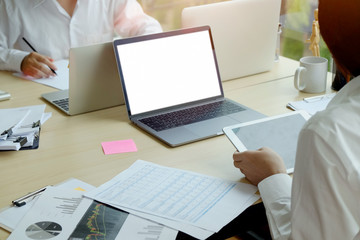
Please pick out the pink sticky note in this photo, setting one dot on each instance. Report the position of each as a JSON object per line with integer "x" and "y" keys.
{"x": 121, "y": 146}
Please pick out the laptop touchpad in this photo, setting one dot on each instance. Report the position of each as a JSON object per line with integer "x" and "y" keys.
{"x": 211, "y": 127}
{"x": 177, "y": 135}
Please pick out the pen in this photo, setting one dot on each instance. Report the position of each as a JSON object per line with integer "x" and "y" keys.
{"x": 320, "y": 97}
{"x": 23, "y": 200}
{"x": 36, "y": 51}
{"x": 314, "y": 99}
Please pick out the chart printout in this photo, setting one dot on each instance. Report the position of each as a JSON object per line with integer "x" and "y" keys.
{"x": 176, "y": 194}
{"x": 61, "y": 213}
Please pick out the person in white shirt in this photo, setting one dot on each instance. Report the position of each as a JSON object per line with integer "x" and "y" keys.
{"x": 52, "y": 27}
{"x": 322, "y": 199}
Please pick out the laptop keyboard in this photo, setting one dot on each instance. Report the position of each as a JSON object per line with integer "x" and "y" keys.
{"x": 191, "y": 115}
{"x": 62, "y": 103}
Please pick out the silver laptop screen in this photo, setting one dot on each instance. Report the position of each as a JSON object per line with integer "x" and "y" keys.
{"x": 168, "y": 71}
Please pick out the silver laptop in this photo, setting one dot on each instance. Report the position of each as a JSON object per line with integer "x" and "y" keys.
{"x": 244, "y": 33}
{"x": 172, "y": 87}
{"x": 94, "y": 81}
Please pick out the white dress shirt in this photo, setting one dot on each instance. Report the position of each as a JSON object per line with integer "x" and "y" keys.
{"x": 325, "y": 191}
{"x": 52, "y": 32}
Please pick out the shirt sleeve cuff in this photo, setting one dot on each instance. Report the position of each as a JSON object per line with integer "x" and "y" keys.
{"x": 275, "y": 187}
{"x": 16, "y": 60}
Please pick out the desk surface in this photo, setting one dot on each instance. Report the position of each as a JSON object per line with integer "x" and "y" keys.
{"x": 71, "y": 146}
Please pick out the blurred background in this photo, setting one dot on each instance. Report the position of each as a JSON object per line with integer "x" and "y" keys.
{"x": 296, "y": 19}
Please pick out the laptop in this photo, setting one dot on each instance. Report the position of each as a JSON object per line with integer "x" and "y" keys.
{"x": 244, "y": 32}
{"x": 172, "y": 87}
{"x": 93, "y": 81}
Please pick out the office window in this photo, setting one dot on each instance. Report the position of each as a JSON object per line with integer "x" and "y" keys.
{"x": 296, "y": 17}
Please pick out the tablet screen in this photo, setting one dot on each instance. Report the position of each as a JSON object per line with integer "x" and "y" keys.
{"x": 279, "y": 133}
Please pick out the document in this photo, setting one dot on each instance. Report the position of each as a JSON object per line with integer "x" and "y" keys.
{"x": 177, "y": 195}
{"x": 60, "y": 81}
{"x": 11, "y": 216}
{"x": 20, "y": 127}
{"x": 104, "y": 222}
{"x": 55, "y": 213}
{"x": 66, "y": 214}
{"x": 192, "y": 230}
{"x": 312, "y": 104}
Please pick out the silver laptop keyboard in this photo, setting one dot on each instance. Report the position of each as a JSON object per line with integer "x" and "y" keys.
{"x": 191, "y": 115}
{"x": 62, "y": 103}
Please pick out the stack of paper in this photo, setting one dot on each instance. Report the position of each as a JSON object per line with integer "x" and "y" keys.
{"x": 196, "y": 204}
{"x": 146, "y": 201}
{"x": 312, "y": 104}
{"x": 20, "y": 127}
{"x": 64, "y": 213}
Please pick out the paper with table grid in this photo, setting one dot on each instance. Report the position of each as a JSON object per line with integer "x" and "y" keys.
{"x": 178, "y": 195}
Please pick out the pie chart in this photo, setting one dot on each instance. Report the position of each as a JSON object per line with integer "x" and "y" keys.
{"x": 43, "y": 230}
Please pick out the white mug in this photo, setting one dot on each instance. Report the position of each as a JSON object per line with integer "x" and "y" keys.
{"x": 311, "y": 76}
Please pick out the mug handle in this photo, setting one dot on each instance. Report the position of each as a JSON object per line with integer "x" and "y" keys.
{"x": 297, "y": 79}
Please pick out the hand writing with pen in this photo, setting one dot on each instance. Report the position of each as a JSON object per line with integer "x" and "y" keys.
{"x": 37, "y": 65}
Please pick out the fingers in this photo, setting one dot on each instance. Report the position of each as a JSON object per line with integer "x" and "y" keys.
{"x": 38, "y": 66}
{"x": 259, "y": 164}
{"x": 241, "y": 160}
{"x": 50, "y": 63}
{"x": 43, "y": 65}
{"x": 239, "y": 157}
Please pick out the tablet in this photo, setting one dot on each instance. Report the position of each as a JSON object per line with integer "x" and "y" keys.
{"x": 279, "y": 133}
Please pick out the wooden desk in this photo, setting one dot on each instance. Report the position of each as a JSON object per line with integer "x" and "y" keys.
{"x": 71, "y": 146}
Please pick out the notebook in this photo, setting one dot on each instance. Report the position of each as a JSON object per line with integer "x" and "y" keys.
{"x": 244, "y": 32}
{"x": 168, "y": 74}
{"x": 93, "y": 81}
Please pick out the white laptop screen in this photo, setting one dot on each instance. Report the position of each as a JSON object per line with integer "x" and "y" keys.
{"x": 168, "y": 71}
